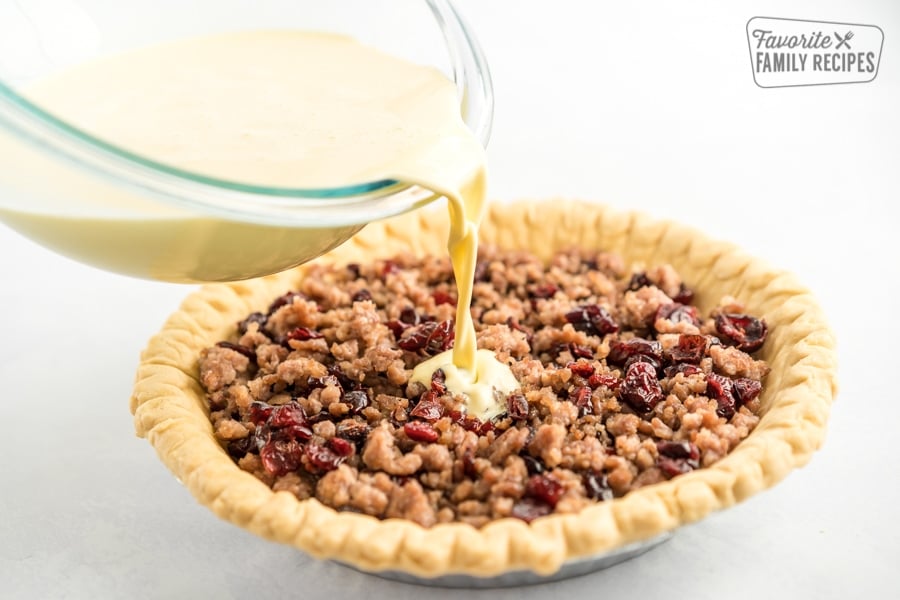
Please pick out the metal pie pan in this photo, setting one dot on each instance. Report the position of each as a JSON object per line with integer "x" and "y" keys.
{"x": 572, "y": 568}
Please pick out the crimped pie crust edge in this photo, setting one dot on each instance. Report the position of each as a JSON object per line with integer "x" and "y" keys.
{"x": 169, "y": 408}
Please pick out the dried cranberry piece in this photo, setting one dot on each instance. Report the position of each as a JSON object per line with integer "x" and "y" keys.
{"x": 596, "y": 486}
{"x": 340, "y": 446}
{"x": 428, "y": 411}
{"x": 429, "y": 338}
{"x": 690, "y": 348}
{"x": 529, "y": 509}
{"x": 517, "y": 406}
{"x": 353, "y": 430}
{"x": 388, "y": 267}
{"x": 676, "y": 458}
{"x": 685, "y": 295}
{"x": 419, "y": 431}
{"x": 745, "y": 390}
{"x": 619, "y": 352}
{"x": 603, "y": 321}
{"x": 542, "y": 292}
{"x": 441, "y": 297}
{"x": 581, "y": 398}
{"x": 687, "y": 369}
{"x": 673, "y": 467}
{"x": 238, "y": 449}
{"x": 261, "y": 436}
{"x": 578, "y": 351}
{"x": 438, "y": 385}
{"x": 721, "y": 389}
{"x": 592, "y": 319}
{"x": 545, "y": 488}
{"x": 590, "y": 264}
{"x": 428, "y": 408}
{"x": 322, "y": 415}
{"x": 301, "y": 334}
{"x": 242, "y": 350}
{"x": 640, "y": 389}
{"x": 255, "y": 317}
{"x": 323, "y": 458}
{"x": 475, "y": 425}
{"x": 314, "y": 383}
{"x": 442, "y": 338}
{"x": 678, "y": 313}
{"x": 344, "y": 380}
{"x": 354, "y": 270}
{"x": 637, "y": 281}
{"x": 284, "y": 300}
{"x": 534, "y": 465}
{"x": 598, "y": 379}
{"x": 470, "y": 423}
{"x": 468, "y": 465}
{"x": 516, "y": 326}
{"x": 644, "y": 358}
{"x": 746, "y": 332}
{"x": 259, "y": 412}
{"x": 397, "y": 328}
{"x": 582, "y": 369}
{"x": 409, "y": 316}
{"x": 287, "y": 415}
{"x": 357, "y": 399}
{"x": 290, "y": 420}
{"x": 280, "y": 457}
{"x": 362, "y": 295}
{"x": 681, "y": 449}
{"x": 482, "y": 272}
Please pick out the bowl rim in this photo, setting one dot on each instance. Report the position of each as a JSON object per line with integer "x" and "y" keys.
{"x": 168, "y": 402}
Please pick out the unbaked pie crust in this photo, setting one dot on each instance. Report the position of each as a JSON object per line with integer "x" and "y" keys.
{"x": 170, "y": 410}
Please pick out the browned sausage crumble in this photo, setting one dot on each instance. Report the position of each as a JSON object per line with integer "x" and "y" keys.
{"x": 623, "y": 385}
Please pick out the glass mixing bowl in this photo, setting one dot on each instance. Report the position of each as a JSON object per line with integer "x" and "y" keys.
{"x": 40, "y": 37}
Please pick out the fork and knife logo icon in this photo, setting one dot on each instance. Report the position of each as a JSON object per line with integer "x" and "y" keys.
{"x": 843, "y": 41}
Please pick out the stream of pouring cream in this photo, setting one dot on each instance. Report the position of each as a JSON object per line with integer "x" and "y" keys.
{"x": 277, "y": 109}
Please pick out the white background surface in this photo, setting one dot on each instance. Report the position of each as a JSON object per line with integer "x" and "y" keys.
{"x": 651, "y": 108}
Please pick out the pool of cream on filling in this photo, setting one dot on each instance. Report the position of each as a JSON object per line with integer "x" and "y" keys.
{"x": 280, "y": 109}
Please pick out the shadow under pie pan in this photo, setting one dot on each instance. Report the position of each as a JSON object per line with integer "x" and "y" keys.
{"x": 170, "y": 410}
